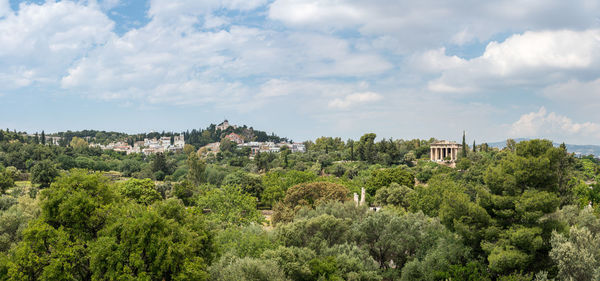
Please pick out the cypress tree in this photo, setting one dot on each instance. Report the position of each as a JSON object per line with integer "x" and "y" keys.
{"x": 473, "y": 145}
{"x": 351, "y": 144}
{"x": 43, "y": 138}
{"x": 464, "y": 146}
{"x": 159, "y": 163}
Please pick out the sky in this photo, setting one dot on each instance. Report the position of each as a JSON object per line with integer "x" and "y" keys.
{"x": 305, "y": 68}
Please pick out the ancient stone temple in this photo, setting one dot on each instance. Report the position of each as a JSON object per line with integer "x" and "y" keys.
{"x": 444, "y": 151}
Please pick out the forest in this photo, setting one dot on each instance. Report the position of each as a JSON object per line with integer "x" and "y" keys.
{"x": 528, "y": 211}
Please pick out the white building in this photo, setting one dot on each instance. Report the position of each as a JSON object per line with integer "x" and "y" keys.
{"x": 224, "y": 125}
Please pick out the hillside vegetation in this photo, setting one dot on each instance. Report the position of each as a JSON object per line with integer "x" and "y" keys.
{"x": 72, "y": 212}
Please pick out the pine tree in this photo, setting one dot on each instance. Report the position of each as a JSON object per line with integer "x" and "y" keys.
{"x": 159, "y": 163}
{"x": 464, "y": 146}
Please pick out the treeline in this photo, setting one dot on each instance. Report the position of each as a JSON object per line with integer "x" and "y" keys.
{"x": 202, "y": 137}
{"x": 195, "y": 137}
{"x": 527, "y": 212}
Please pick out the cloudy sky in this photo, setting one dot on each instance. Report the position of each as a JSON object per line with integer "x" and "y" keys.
{"x": 305, "y": 68}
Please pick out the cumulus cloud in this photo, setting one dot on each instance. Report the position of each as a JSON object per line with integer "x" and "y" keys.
{"x": 355, "y": 99}
{"x": 168, "y": 10}
{"x": 283, "y": 87}
{"x": 41, "y": 41}
{"x": 429, "y": 22}
{"x": 4, "y": 8}
{"x": 434, "y": 61}
{"x": 528, "y": 59}
{"x": 144, "y": 62}
{"x": 550, "y": 124}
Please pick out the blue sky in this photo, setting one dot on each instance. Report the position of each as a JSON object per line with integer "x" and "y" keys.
{"x": 305, "y": 68}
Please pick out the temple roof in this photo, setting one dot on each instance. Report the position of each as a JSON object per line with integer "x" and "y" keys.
{"x": 444, "y": 142}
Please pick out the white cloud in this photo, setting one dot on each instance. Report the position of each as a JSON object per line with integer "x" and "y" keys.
{"x": 168, "y": 10}
{"x": 5, "y": 9}
{"x": 544, "y": 124}
{"x": 355, "y": 99}
{"x": 434, "y": 61}
{"x": 144, "y": 62}
{"x": 41, "y": 41}
{"x": 333, "y": 13}
{"x": 528, "y": 59}
{"x": 578, "y": 93}
{"x": 428, "y": 23}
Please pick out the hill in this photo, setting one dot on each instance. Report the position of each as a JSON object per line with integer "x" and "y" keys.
{"x": 578, "y": 149}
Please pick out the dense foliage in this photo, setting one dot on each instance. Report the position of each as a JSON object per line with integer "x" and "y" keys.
{"x": 72, "y": 212}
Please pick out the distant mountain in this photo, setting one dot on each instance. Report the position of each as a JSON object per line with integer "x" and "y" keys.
{"x": 586, "y": 149}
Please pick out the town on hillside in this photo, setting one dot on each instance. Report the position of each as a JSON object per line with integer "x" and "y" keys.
{"x": 176, "y": 143}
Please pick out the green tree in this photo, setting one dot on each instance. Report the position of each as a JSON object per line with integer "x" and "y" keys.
{"x": 246, "y": 269}
{"x": 166, "y": 242}
{"x": 229, "y": 205}
{"x": 384, "y": 177}
{"x": 186, "y": 191}
{"x": 307, "y": 195}
{"x": 141, "y": 191}
{"x": 196, "y": 169}
{"x": 366, "y": 148}
{"x": 285, "y": 153}
{"x": 511, "y": 145}
{"x": 43, "y": 173}
{"x": 227, "y": 145}
{"x": 130, "y": 166}
{"x": 310, "y": 194}
{"x": 523, "y": 188}
{"x": 250, "y": 183}
{"x": 464, "y": 146}
{"x": 316, "y": 233}
{"x": 6, "y": 181}
{"x": 402, "y": 239}
{"x": 78, "y": 143}
{"x": 395, "y": 195}
{"x": 159, "y": 163}
{"x": 188, "y": 149}
{"x": 350, "y": 144}
{"x": 277, "y": 182}
{"x": 245, "y": 241}
{"x": 77, "y": 203}
{"x": 47, "y": 253}
{"x": 15, "y": 219}
{"x": 43, "y": 138}
{"x": 576, "y": 255}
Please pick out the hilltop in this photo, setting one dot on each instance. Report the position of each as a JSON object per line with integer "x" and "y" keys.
{"x": 578, "y": 149}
